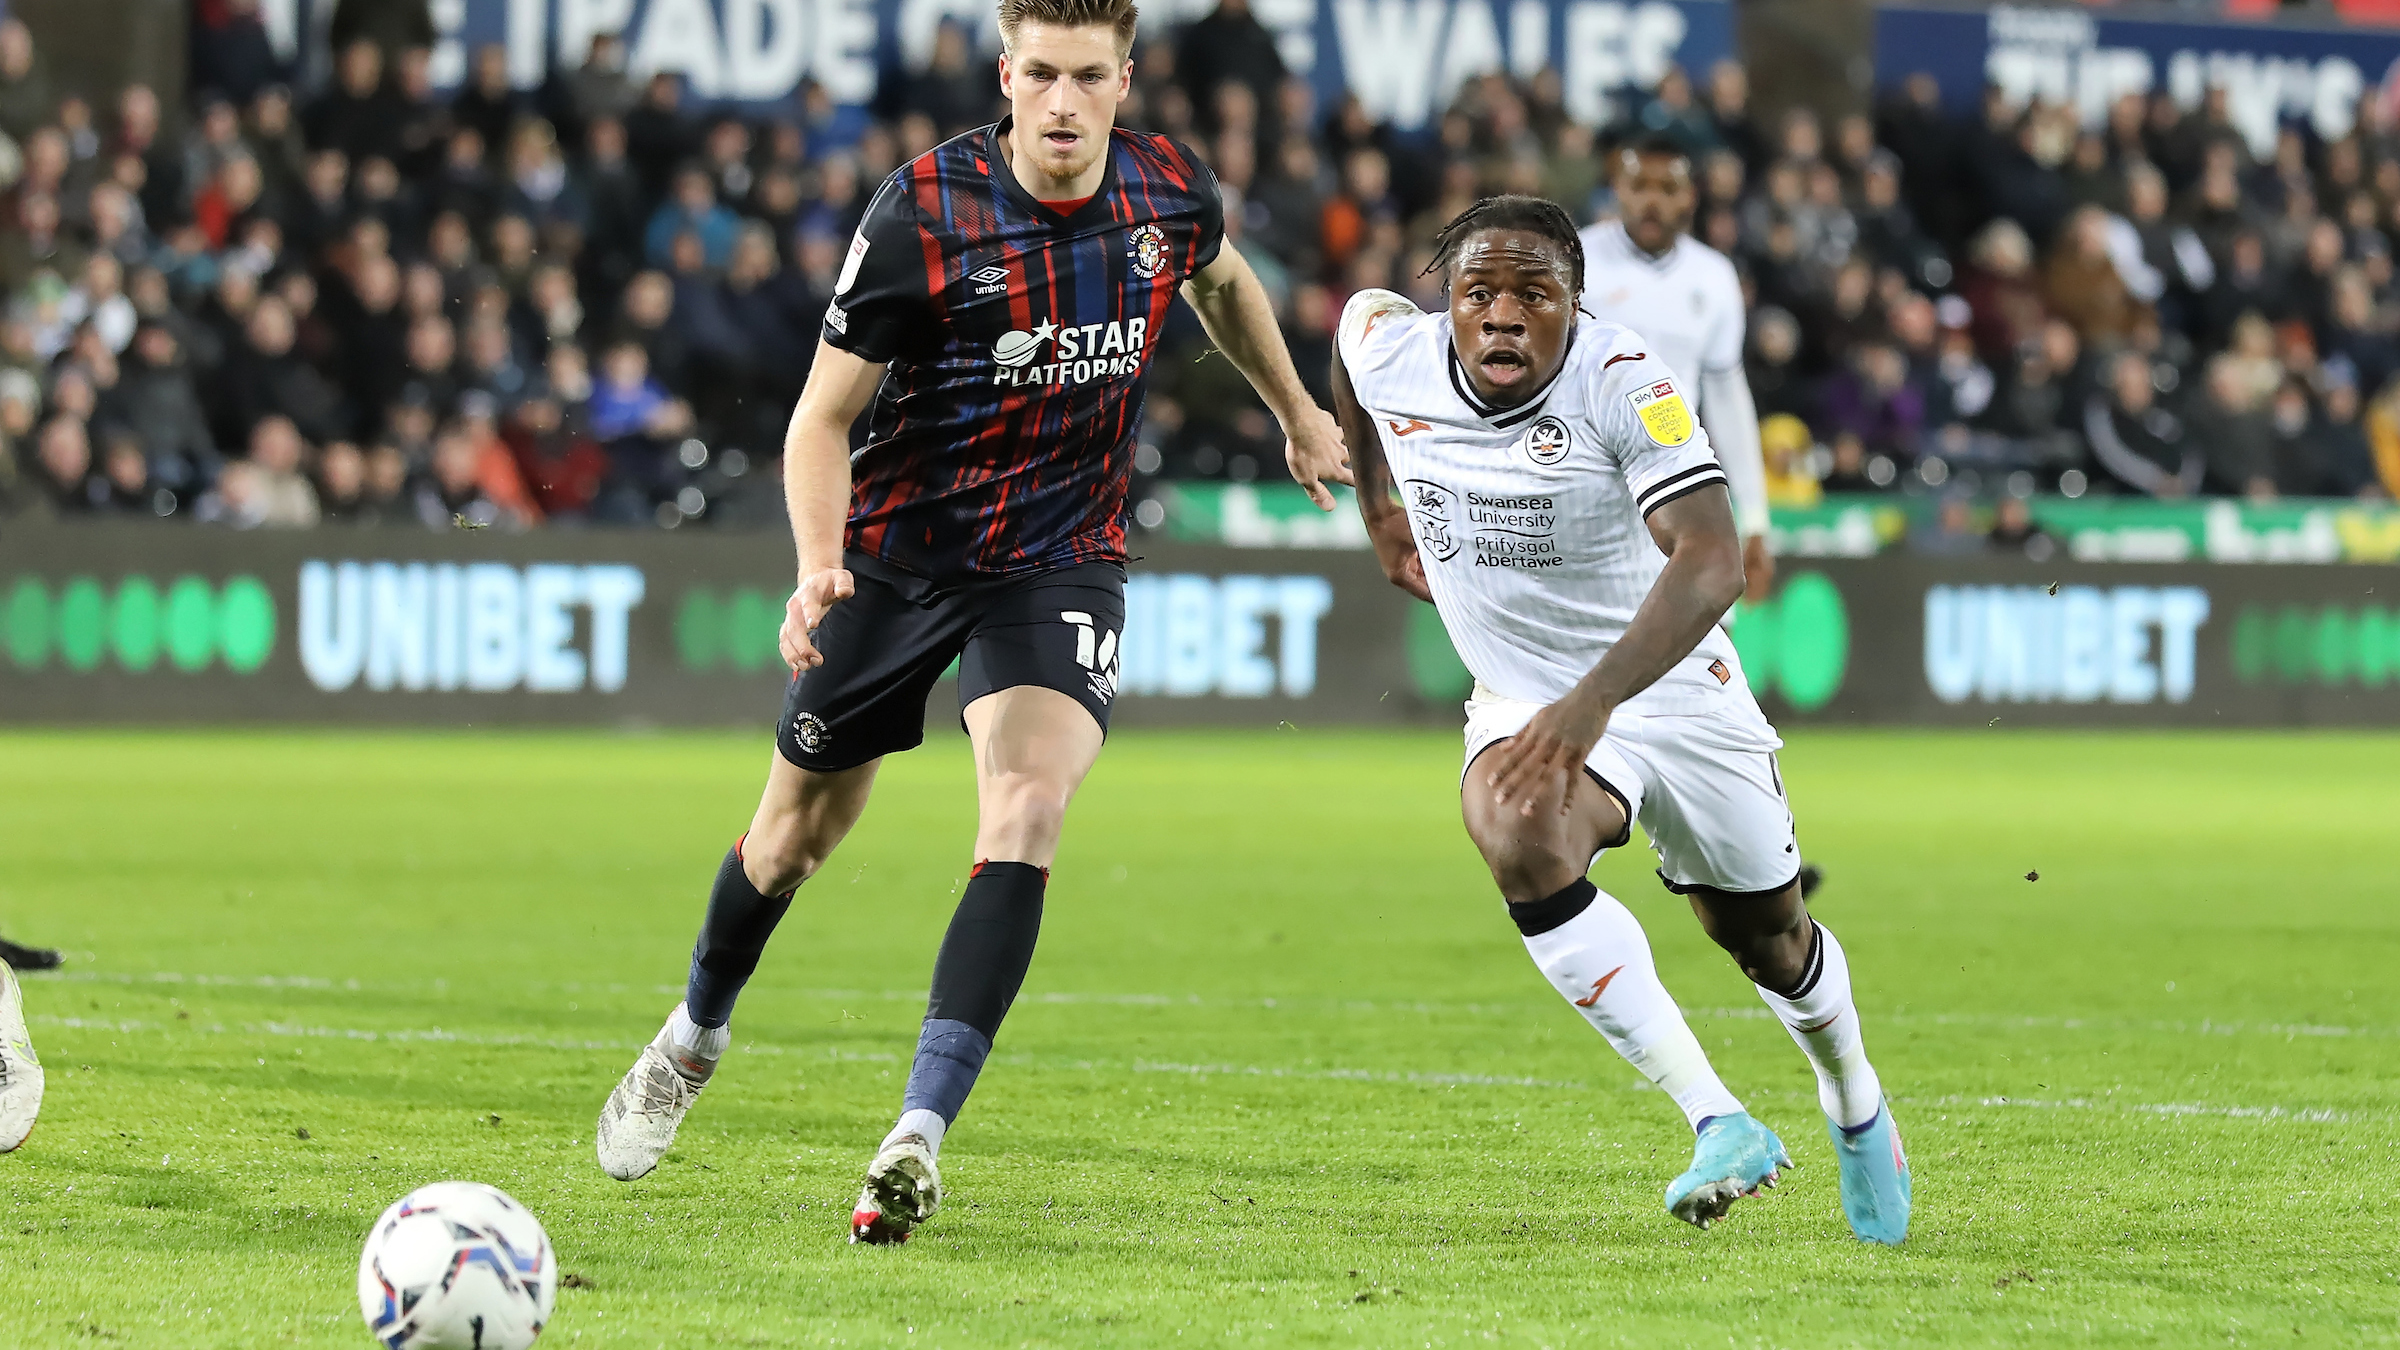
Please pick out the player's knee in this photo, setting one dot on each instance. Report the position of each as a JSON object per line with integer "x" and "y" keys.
{"x": 1025, "y": 806}
{"x": 779, "y": 853}
{"x": 1767, "y": 936}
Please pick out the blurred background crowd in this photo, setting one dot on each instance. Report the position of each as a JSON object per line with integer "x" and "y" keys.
{"x": 595, "y": 301}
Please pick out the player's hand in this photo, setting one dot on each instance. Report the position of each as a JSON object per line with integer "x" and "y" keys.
{"x": 1396, "y": 549}
{"x": 1758, "y": 569}
{"x": 1316, "y": 455}
{"x": 1552, "y": 747}
{"x": 817, "y": 593}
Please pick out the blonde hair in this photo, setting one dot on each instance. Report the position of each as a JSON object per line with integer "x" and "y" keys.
{"x": 1118, "y": 14}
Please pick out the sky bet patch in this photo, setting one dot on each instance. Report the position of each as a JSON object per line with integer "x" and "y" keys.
{"x": 1663, "y": 412}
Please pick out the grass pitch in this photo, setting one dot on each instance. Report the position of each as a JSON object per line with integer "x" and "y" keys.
{"x": 1281, "y": 1075}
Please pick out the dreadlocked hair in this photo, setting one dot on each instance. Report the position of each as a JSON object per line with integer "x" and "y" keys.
{"x": 1537, "y": 215}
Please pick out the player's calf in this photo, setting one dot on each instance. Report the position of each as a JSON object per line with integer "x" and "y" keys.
{"x": 1803, "y": 975}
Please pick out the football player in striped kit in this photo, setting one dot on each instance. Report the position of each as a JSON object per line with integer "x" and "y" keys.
{"x": 1544, "y": 482}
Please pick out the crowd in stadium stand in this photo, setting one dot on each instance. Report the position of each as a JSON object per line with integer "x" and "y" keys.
{"x": 596, "y": 301}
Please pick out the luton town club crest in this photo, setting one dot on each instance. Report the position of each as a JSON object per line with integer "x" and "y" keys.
{"x": 1146, "y": 250}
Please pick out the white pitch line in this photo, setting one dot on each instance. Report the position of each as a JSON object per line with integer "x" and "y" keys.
{"x": 1403, "y": 1077}
{"x": 1992, "y": 1021}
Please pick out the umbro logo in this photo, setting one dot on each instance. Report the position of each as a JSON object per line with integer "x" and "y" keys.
{"x": 991, "y": 280}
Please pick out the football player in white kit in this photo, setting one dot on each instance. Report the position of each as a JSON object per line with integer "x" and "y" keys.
{"x": 1646, "y": 271}
{"x": 1543, "y": 482}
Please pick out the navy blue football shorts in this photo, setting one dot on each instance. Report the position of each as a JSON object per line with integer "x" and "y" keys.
{"x": 888, "y": 643}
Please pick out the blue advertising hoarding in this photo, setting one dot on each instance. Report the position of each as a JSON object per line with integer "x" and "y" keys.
{"x": 1404, "y": 58}
{"x": 2272, "y": 73}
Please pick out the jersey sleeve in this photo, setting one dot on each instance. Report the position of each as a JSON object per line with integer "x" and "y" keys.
{"x": 1365, "y": 311}
{"x": 884, "y": 292}
{"x": 1724, "y": 349}
{"x": 1208, "y": 236}
{"x": 1648, "y": 428}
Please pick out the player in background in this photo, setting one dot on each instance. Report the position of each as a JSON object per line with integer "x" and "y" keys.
{"x": 998, "y": 310}
{"x": 20, "y": 1070}
{"x": 1647, "y": 272}
{"x": 1542, "y": 482}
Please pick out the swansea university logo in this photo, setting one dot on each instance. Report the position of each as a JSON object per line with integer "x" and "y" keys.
{"x": 1146, "y": 251}
{"x": 1430, "y": 509}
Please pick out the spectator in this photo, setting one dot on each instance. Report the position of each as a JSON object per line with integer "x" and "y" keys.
{"x": 63, "y": 479}
{"x": 1873, "y": 400}
{"x": 954, "y": 91}
{"x": 657, "y": 138}
{"x": 231, "y": 52}
{"x": 2233, "y": 435}
{"x": 123, "y": 487}
{"x": 1229, "y": 45}
{"x": 1789, "y": 451}
{"x": 2319, "y": 450}
{"x": 25, "y": 99}
{"x": 267, "y": 489}
{"x": 161, "y": 407}
{"x": 561, "y": 464}
{"x": 263, "y": 378}
{"x": 2083, "y": 286}
{"x": 2000, "y": 290}
{"x": 693, "y": 209}
{"x": 341, "y": 485}
{"x": 2139, "y": 446}
{"x": 599, "y": 88}
{"x": 489, "y": 105}
{"x": 357, "y": 116}
{"x": 2014, "y": 530}
{"x": 452, "y": 491}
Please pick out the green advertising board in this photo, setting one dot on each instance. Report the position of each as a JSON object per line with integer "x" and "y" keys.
{"x": 2089, "y": 529}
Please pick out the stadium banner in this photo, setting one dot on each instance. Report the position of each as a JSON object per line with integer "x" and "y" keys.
{"x": 1403, "y": 58}
{"x": 2092, "y": 529}
{"x": 158, "y": 625}
{"x": 2271, "y": 72}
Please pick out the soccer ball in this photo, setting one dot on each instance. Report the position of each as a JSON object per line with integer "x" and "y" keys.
{"x": 457, "y": 1265}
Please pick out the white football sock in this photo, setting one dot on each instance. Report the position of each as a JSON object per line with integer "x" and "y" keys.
{"x": 1823, "y": 1020}
{"x": 1600, "y": 962}
{"x": 920, "y": 1121}
{"x": 695, "y": 1049}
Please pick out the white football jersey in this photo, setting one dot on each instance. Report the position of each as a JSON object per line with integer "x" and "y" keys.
{"x": 1688, "y": 303}
{"x": 1531, "y": 520}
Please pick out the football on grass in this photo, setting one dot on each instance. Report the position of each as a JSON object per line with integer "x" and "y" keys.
{"x": 457, "y": 1265}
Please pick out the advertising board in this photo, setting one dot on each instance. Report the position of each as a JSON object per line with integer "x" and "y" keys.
{"x": 162, "y": 625}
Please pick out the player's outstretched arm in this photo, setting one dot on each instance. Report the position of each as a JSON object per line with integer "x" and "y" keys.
{"x": 1702, "y": 579}
{"x": 1387, "y": 520}
{"x": 816, "y": 491}
{"x": 1234, "y": 308}
{"x": 1730, "y": 417}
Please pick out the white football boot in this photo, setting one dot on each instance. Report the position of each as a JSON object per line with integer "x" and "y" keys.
{"x": 637, "y": 1123}
{"x": 20, "y": 1071}
{"x": 903, "y": 1189}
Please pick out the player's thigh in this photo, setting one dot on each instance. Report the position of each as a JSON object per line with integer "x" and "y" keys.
{"x": 1715, "y": 808}
{"x": 883, "y": 652}
{"x": 1056, "y": 633}
{"x": 1548, "y": 848}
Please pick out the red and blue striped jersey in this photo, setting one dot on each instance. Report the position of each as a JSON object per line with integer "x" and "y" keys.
{"x": 1018, "y": 338}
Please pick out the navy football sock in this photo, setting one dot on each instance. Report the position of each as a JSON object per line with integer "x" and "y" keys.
{"x": 976, "y": 977}
{"x": 739, "y": 922}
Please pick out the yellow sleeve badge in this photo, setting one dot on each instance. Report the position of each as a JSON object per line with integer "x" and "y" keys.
{"x": 1663, "y": 412}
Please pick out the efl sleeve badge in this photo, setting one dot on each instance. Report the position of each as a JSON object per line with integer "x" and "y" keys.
{"x": 1664, "y": 414}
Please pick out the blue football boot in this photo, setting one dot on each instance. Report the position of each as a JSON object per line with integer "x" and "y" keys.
{"x": 1875, "y": 1183}
{"x": 1733, "y": 1157}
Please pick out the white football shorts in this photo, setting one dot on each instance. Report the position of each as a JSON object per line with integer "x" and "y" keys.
{"x": 1704, "y": 786}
